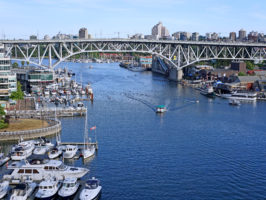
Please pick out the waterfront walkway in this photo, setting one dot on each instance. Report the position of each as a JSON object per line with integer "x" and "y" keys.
{"x": 48, "y": 112}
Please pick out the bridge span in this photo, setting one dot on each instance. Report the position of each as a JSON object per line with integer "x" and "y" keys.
{"x": 177, "y": 54}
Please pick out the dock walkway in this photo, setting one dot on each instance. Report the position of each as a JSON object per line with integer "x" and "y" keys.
{"x": 48, "y": 112}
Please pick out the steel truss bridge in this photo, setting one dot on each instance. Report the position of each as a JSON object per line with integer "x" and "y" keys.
{"x": 178, "y": 54}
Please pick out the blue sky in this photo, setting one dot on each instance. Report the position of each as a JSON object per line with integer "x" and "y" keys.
{"x": 21, "y": 18}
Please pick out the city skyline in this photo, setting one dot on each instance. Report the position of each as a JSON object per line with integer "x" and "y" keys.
{"x": 105, "y": 19}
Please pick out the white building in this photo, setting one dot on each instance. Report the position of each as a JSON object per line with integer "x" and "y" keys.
{"x": 159, "y": 31}
{"x": 8, "y": 80}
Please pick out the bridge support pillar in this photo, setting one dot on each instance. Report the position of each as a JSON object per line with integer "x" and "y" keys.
{"x": 175, "y": 74}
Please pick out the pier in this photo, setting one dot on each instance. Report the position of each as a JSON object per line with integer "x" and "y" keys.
{"x": 95, "y": 144}
{"x": 49, "y": 112}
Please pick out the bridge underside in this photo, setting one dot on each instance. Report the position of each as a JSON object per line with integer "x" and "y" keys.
{"x": 179, "y": 55}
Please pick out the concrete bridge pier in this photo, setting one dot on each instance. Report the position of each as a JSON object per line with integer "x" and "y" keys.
{"x": 175, "y": 74}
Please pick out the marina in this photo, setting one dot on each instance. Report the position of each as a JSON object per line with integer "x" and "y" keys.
{"x": 112, "y": 110}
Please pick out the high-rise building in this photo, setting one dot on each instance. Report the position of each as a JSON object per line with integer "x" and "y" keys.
{"x": 253, "y": 36}
{"x": 232, "y": 36}
{"x": 242, "y": 35}
{"x": 33, "y": 37}
{"x": 83, "y": 33}
{"x": 208, "y": 36}
{"x": 176, "y": 35}
{"x": 8, "y": 80}
{"x": 195, "y": 36}
{"x": 159, "y": 31}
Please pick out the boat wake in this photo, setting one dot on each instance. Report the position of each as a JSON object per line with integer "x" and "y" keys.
{"x": 149, "y": 105}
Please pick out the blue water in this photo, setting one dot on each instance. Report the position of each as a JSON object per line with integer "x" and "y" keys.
{"x": 205, "y": 150}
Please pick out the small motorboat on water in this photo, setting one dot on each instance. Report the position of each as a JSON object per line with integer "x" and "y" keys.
{"x": 234, "y": 102}
{"x": 3, "y": 189}
{"x": 161, "y": 109}
{"x": 3, "y": 159}
{"x": 70, "y": 151}
{"x": 48, "y": 189}
{"x": 69, "y": 188}
{"x": 92, "y": 190}
{"x": 23, "y": 150}
{"x": 207, "y": 90}
{"x": 54, "y": 153}
{"x": 22, "y": 191}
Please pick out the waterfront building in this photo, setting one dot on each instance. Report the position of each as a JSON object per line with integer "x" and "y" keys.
{"x": 40, "y": 77}
{"x": 242, "y": 35}
{"x": 33, "y": 37}
{"x": 8, "y": 80}
{"x": 83, "y": 33}
{"x": 146, "y": 61}
{"x": 239, "y": 66}
{"x": 232, "y": 36}
{"x": 195, "y": 36}
{"x": 159, "y": 31}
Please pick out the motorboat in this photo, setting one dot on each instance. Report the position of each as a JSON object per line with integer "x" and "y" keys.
{"x": 23, "y": 150}
{"x": 161, "y": 109}
{"x": 47, "y": 189}
{"x": 41, "y": 149}
{"x": 46, "y": 92}
{"x": 70, "y": 151}
{"x": 243, "y": 96}
{"x": 46, "y": 142}
{"x": 207, "y": 90}
{"x": 22, "y": 191}
{"x": 234, "y": 102}
{"x": 37, "y": 169}
{"x": 54, "y": 153}
{"x": 92, "y": 190}
{"x": 3, "y": 159}
{"x": 69, "y": 188}
{"x": 3, "y": 189}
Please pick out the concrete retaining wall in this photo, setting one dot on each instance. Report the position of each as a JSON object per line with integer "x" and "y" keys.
{"x": 55, "y": 127}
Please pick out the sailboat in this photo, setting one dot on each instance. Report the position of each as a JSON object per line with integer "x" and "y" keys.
{"x": 88, "y": 150}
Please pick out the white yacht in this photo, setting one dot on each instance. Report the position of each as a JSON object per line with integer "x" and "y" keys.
{"x": 23, "y": 150}
{"x": 37, "y": 170}
{"x": 22, "y": 191}
{"x": 91, "y": 191}
{"x": 48, "y": 189}
{"x": 3, "y": 159}
{"x": 40, "y": 149}
{"x": 70, "y": 151}
{"x": 54, "y": 153}
{"x": 3, "y": 189}
{"x": 243, "y": 96}
{"x": 69, "y": 188}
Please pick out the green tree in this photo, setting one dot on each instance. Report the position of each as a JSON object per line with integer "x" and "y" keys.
{"x": 18, "y": 94}
{"x": 28, "y": 63}
{"x": 250, "y": 65}
{"x": 15, "y": 65}
{"x": 3, "y": 124}
{"x": 241, "y": 74}
{"x": 22, "y": 62}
